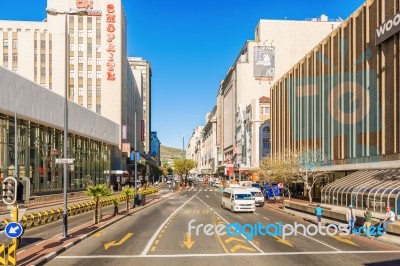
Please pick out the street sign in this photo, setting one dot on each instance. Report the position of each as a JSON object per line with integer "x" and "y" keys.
{"x": 280, "y": 185}
{"x": 14, "y": 230}
{"x": 65, "y": 160}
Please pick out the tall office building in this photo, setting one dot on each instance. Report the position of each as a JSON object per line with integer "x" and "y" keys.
{"x": 81, "y": 45}
{"x": 141, "y": 70}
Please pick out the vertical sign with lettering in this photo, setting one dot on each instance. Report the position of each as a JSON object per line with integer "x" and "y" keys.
{"x": 110, "y": 19}
{"x": 142, "y": 130}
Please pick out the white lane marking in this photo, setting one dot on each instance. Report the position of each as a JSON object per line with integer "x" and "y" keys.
{"x": 211, "y": 209}
{"x": 40, "y": 242}
{"x": 256, "y": 213}
{"x": 234, "y": 254}
{"x": 266, "y": 218}
{"x": 21, "y": 251}
{"x": 241, "y": 234}
{"x": 148, "y": 246}
{"x": 207, "y": 196}
{"x": 317, "y": 240}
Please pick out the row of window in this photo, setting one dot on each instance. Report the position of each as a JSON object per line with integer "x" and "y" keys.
{"x": 81, "y": 46}
{"x": 80, "y": 19}
{"x": 42, "y": 44}
{"x": 89, "y": 91}
{"x": 80, "y": 61}
{"x": 89, "y": 74}
{"x": 14, "y": 44}
{"x": 14, "y": 57}
{"x": 81, "y": 33}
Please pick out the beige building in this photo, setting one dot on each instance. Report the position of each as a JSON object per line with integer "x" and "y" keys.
{"x": 208, "y": 163}
{"x": 81, "y": 45}
{"x": 277, "y": 45}
{"x": 142, "y": 72}
{"x": 193, "y": 150}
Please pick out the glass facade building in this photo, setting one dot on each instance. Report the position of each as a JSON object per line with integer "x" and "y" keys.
{"x": 38, "y": 148}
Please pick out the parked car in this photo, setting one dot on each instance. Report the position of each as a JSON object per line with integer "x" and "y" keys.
{"x": 258, "y": 196}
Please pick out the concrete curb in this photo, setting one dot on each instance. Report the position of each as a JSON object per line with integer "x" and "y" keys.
{"x": 279, "y": 210}
{"x": 53, "y": 254}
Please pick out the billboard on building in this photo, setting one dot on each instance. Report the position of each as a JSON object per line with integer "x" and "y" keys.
{"x": 264, "y": 61}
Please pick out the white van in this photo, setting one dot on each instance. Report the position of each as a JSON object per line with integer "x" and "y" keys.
{"x": 258, "y": 196}
{"x": 238, "y": 200}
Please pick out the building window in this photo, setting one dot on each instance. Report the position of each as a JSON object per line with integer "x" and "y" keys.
{"x": 71, "y": 33}
{"x": 71, "y": 74}
{"x": 98, "y": 61}
{"x": 89, "y": 61}
{"x": 98, "y": 19}
{"x": 98, "y": 34}
{"x": 89, "y": 106}
{"x": 89, "y": 33}
{"x": 15, "y": 44}
{"x": 5, "y": 57}
{"x": 98, "y": 74}
{"x": 42, "y": 44}
{"x": 43, "y": 71}
{"x": 71, "y": 19}
{"x": 15, "y": 57}
{"x": 98, "y": 108}
{"x": 80, "y": 33}
{"x": 80, "y": 60}
{"x": 42, "y": 58}
{"x": 98, "y": 48}
{"x": 71, "y": 60}
{"x": 89, "y": 74}
{"x": 80, "y": 47}
{"x": 80, "y": 19}
{"x": 80, "y": 91}
{"x": 71, "y": 91}
{"x": 89, "y": 47}
{"x": 89, "y": 20}
{"x": 72, "y": 47}
{"x": 89, "y": 90}
{"x": 5, "y": 43}
{"x": 98, "y": 90}
{"x": 80, "y": 74}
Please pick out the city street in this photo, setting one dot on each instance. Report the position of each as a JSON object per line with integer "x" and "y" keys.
{"x": 158, "y": 235}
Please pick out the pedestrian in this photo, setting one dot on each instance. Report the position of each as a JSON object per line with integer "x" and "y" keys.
{"x": 351, "y": 218}
{"x": 368, "y": 221}
{"x": 390, "y": 217}
{"x": 318, "y": 212}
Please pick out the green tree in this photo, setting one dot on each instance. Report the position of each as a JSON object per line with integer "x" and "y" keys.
{"x": 183, "y": 166}
{"x": 96, "y": 193}
{"x": 128, "y": 193}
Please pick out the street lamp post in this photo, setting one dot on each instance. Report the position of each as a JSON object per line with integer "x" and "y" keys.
{"x": 65, "y": 165}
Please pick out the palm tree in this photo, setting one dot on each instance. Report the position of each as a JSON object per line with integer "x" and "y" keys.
{"x": 97, "y": 192}
{"x": 128, "y": 193}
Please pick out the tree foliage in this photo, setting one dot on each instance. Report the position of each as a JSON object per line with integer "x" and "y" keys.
{"x": 183, "y": 166}
{"x": 96, "y": 193}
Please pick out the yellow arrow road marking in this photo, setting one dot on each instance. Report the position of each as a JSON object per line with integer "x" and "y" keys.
{"x": 188, "y": 241}
{"x": 285, "y": 242}
{"x": 205, "y": 211}
{"x": 238, "y": 246}
{"x": 344, "y": 240}
{"x": 98, "y": 234}
{"x": 234, "y": 238}
{"x": 112, "y": 243}
{"x": 153, "y": 249}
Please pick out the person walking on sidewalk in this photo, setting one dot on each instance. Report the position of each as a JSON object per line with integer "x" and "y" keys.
{"x": 368, "y": 221}
{"x": 318, "y": 212}
{"x": 351, "y": 218}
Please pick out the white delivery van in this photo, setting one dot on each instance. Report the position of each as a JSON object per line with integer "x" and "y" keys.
{"x": 258, "y": 196}
{"x": 238, "y": 200}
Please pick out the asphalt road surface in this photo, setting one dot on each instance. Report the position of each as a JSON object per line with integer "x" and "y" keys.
{"x": 158, "y": 235}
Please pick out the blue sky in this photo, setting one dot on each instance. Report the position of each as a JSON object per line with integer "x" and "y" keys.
{"x": 191, "y": 44}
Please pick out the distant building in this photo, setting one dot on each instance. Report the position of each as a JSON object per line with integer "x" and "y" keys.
{"x": 278, "y": 44}
{"x": 155, "y": 147}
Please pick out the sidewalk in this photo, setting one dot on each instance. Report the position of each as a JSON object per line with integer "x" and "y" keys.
{"x": 47, "y": 250}
{"x": 311, "y": 218}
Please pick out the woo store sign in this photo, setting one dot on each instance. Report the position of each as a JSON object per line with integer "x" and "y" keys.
{"x": 110, "y": 19}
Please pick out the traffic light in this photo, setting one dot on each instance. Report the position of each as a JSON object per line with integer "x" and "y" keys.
{"x": 10, "y": 190}
{"x": 23, "y": 190}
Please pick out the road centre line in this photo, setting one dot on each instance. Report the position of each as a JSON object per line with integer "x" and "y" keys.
{"x": 148, "y": 246}
{"x": 232, "y": 254}
{"x": 240, "y": 234}
{"x": 266, "y": 218}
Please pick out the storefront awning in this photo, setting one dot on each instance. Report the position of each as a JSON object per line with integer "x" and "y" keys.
{"x": 373, "y": 189}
